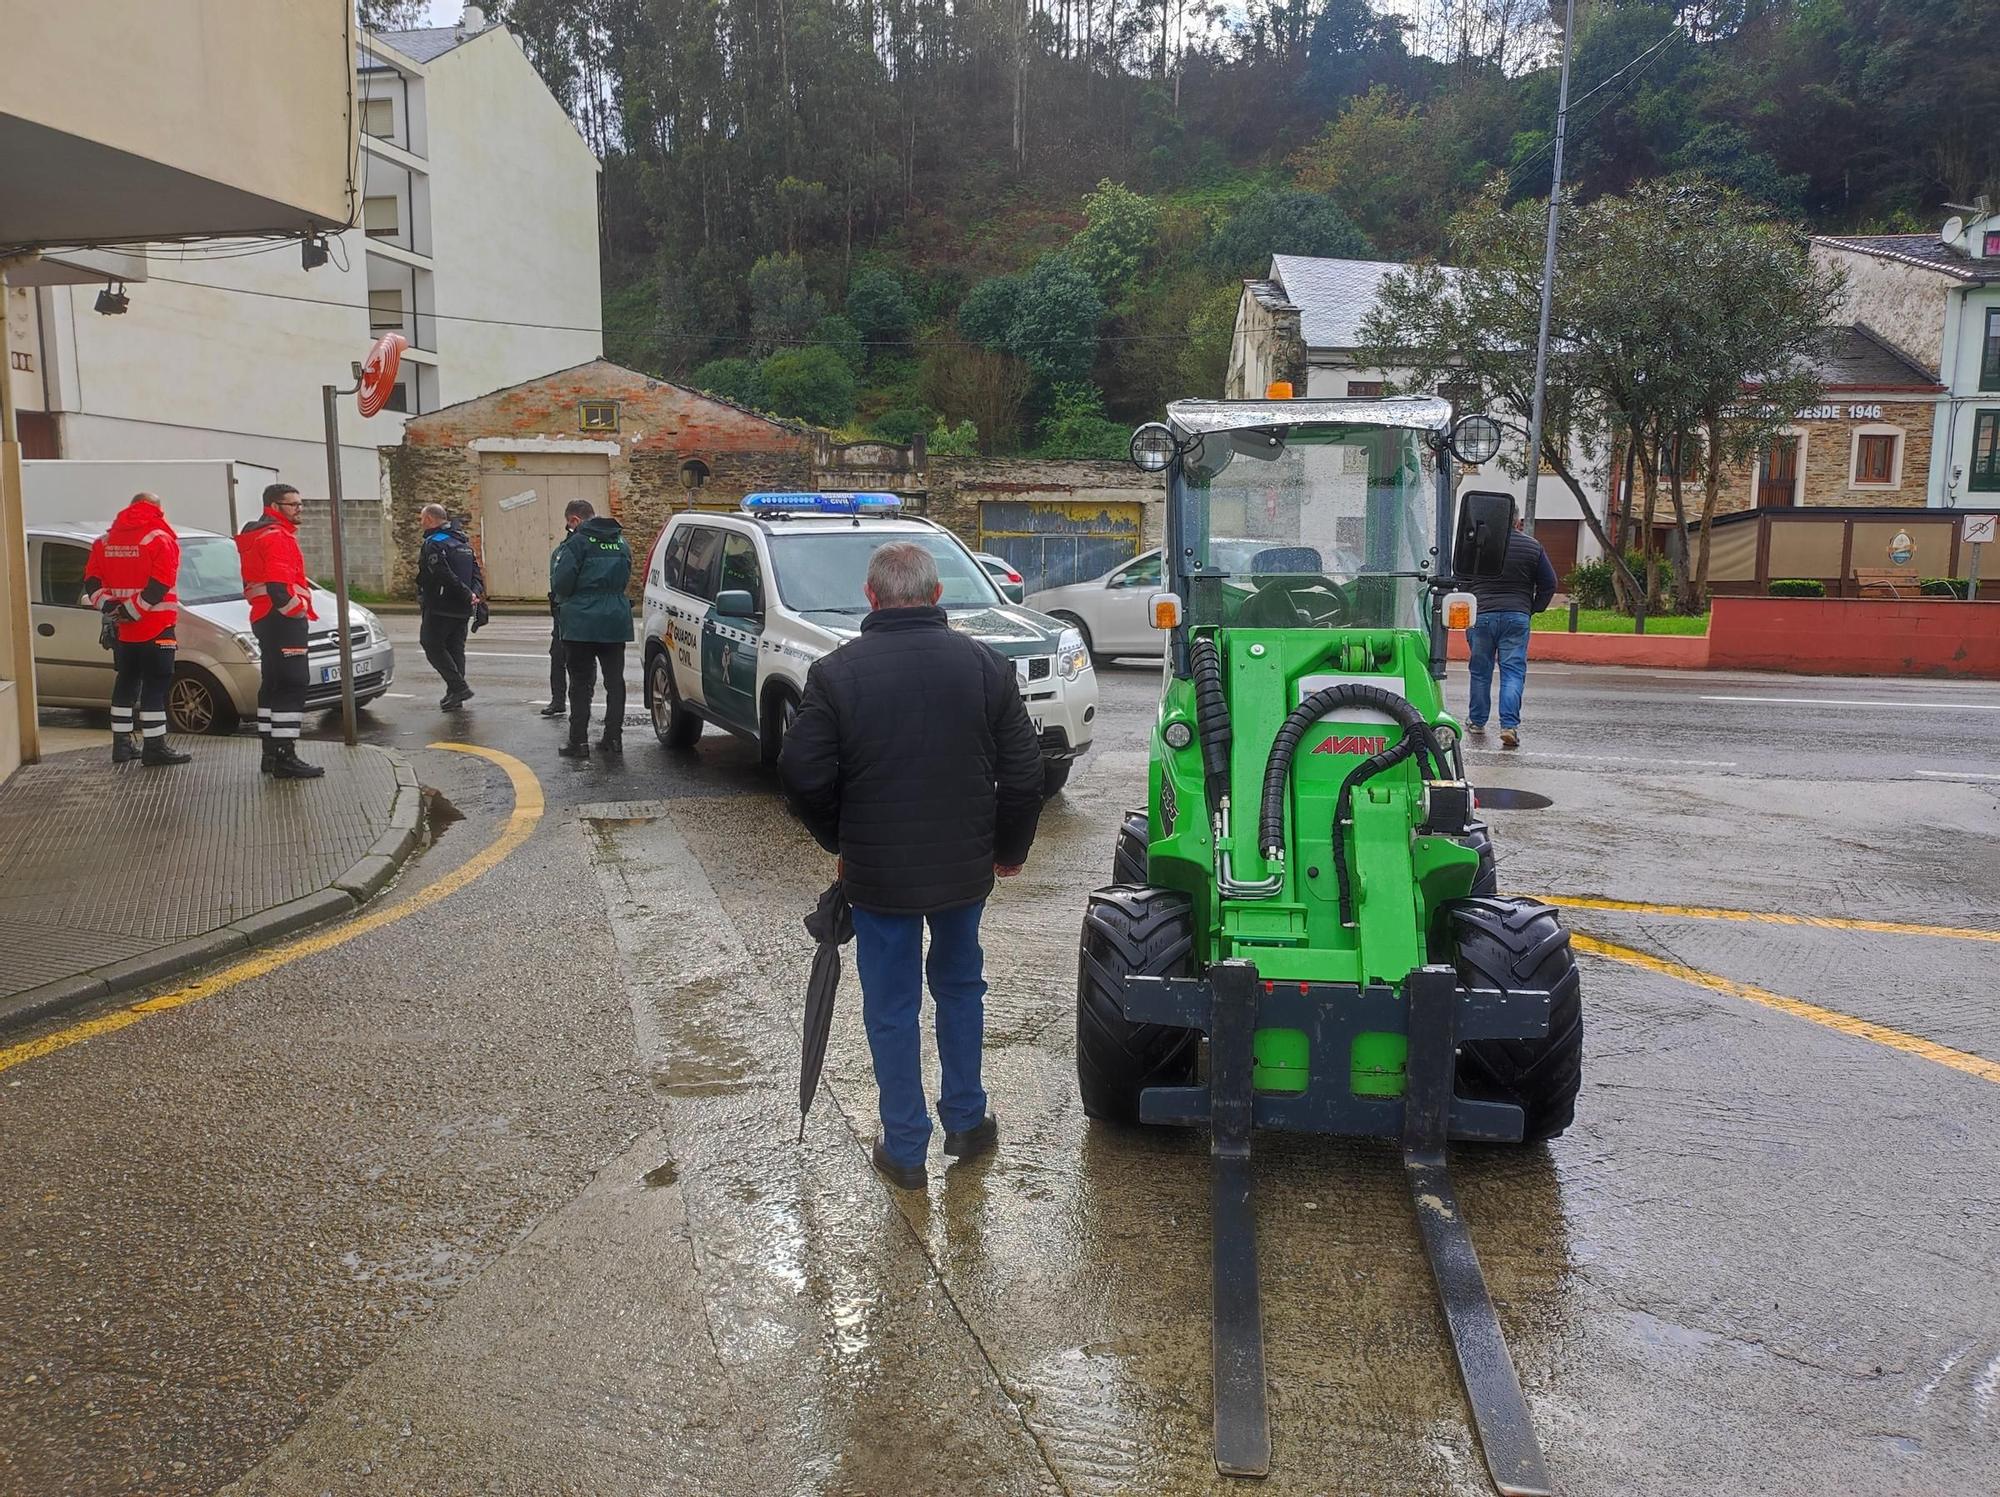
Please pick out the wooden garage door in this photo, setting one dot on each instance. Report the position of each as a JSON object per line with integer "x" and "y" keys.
{"x": 1054, "y": 542}
{"x": 521, "y": 499}
{"x": 1558, "y": 538}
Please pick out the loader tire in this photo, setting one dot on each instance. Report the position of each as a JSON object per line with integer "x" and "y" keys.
{"x": 1128, "y": 861}
{"x": 1517, "y": 944}
{"x": 1130, "y": 931}
{"x": 1486, "y": 881}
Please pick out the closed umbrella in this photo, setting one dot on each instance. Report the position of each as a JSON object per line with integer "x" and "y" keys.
{"x": 832, "y": 925}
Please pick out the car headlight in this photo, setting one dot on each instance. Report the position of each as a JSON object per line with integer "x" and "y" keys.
{"x": 247, "y": 643}
{"x": 1072, "y": 659}
{"x": 376, "y": 633}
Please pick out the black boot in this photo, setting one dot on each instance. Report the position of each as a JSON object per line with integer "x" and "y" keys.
{"x": 124, "y": 748}
{"x": 157, "y": 753}
{"x": 556, "y": 709}
{"x": 268, "y": 764}
{"x": 575, "y": 749}
{"x": 290, "y": 766}
{"x": 613, "y": 742}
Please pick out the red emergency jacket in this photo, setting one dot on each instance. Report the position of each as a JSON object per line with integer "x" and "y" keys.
{"x": 135, "y": 564}
{"x": 274, "y": 569}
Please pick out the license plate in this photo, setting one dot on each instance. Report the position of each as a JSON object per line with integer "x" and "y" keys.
{"x": 328, "y": 673}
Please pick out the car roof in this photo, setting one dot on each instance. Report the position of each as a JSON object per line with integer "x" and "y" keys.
{"x": 814, "y": 525}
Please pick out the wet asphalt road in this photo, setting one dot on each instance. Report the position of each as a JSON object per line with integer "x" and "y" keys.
{"x": 507, "y": 1196}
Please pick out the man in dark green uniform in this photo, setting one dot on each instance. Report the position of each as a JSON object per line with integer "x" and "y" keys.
{"x": 588, "y": 576}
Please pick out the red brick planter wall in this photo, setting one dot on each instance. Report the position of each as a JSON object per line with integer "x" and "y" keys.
{"x": 1856, "y": 637}
{"x": 1678, "y": 652}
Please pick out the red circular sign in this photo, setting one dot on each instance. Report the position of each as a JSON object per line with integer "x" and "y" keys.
{"x": 378, "y": 372}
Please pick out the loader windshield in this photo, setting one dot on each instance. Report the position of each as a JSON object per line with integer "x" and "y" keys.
{"x": 1342, "y": 517}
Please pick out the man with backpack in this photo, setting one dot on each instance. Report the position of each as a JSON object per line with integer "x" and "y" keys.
{"x": 450, "y": 593}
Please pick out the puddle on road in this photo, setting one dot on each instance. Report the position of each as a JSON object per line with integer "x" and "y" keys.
{"x": 438, "y": 815}
{"x": 661, "y": 1174}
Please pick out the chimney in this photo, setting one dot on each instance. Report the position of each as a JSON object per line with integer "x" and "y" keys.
{"x": 474, "y": 19}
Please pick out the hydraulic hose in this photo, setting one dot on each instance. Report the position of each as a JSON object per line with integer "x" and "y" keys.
{"x": 1343, "y": 808}
{"x": 1211, "y": 711}
{"x": 1278, "y": 769}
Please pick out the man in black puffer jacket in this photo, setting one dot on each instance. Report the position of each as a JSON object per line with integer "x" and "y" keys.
{"x": 913, "y": 759}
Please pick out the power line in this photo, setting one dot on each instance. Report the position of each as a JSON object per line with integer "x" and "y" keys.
{"x": 1645, "y": 62}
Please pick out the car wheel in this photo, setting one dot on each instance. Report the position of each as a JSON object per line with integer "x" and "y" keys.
{"x": 673, "y": 724}
{"x": 779, "y": 712}
{"x": 197, "y": 704}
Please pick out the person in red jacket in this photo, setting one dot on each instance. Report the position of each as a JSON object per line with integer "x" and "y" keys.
{"x": 281, "y": 615}
{"x": 131, "y": 575}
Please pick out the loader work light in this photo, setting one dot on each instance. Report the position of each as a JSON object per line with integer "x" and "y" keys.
{"x": 1152, "y": 447}
{"x": 1475, "y": 439}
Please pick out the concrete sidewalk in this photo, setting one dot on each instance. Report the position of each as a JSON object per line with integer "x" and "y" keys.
{"x": 115, "y": 877}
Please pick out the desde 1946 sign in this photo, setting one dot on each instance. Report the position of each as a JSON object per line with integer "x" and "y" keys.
{"x": 1838, "y": 412}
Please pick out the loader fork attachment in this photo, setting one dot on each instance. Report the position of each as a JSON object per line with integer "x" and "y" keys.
{"x": 1228, "y": 1004}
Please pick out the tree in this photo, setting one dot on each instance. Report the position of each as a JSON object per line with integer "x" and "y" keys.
{"x": 783, "y": 308}
{"x": 1076, "y": 425}
{"x": 809, "y": 384}
{"x": 390, "y": 15}
{"x": 734, "y": 380}
{"x": 986, "y": 316}
{"x": 1282, "y": 223}
{"x": 1385, "y": 166}
{"x": 1055, "y": 320}
{"x": 1117, "y": 238}
{"x": 879, "y": 309}
{"x": 977, "y": 385}
{"x": 840, "y": 335}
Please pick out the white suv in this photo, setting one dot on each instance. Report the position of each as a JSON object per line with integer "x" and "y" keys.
{"x": 738, "y": 606}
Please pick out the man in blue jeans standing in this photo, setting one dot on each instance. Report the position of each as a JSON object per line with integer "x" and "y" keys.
{"x": 914, "y": 761}
{"x": 1500, "y": 632}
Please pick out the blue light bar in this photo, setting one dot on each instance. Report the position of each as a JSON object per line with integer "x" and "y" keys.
{"x": 804, "y": 503}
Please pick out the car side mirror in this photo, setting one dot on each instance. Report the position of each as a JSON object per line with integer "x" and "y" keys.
{"x": 735, "y": 603}
{"x": 1485, "y": 520}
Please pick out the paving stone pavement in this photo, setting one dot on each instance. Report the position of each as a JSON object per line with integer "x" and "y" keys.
{"x": 104, "y": 864}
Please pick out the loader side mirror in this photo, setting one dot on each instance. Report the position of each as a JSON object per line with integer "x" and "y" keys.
{"x": 1485, "y": 520}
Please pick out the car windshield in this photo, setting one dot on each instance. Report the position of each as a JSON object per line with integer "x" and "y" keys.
{"x": 823, "y": 572}
{"x": 1307, "y": 525}
{"x": 210, "y": 572}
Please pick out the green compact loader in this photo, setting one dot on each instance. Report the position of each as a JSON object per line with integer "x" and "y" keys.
{"x": 1304, "y": 931}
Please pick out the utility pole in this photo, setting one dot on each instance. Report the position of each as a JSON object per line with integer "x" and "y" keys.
{"x": 1541, "y": 395}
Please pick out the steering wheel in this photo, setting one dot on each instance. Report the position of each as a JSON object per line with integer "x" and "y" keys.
{"x": 1295, "y": 603}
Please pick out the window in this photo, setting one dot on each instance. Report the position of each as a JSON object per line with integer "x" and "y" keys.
{"x": 1875, "y": 458}
{"x": 1145, "y": 572}
{"x": 378, "y": 117}
{"x": 62, "y": 574}
{"x": 399, "y": 398}
{"x": 380, "y": 218}
{"x": 1360, "y": 388}
{"x": 210, "y": 572}
{"x": 1989, "y": 363}
{"x": 1986, "y": 452}
{"x": 385, "y": 311}
{"x": 698, "y": 572}
{"x": 597, "y": 415}
{"x": 671, "y": 565}
{"x": 1992, "y": 245}
{"x": 740, "y": 571}
{"x": 824, "y": 572}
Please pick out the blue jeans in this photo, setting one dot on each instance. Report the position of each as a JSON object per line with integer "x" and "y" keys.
{"x": 888, "y": 950}
{"x": 1501, "y": 636}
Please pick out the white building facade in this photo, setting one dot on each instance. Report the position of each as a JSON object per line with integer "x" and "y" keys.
{"x": 1936, "y": 297}
{"x": 476, "y": 237}
{"x": 1302, "y": 323}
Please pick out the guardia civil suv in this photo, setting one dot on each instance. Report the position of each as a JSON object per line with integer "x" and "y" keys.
{"x": 739, "y": 606}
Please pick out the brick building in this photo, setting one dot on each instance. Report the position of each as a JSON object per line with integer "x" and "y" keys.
{"x": 642, "y": 449}
{"x": 1867, "y": 444}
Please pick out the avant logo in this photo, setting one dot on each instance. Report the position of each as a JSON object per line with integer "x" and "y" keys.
{"x": 1352, "y": 744}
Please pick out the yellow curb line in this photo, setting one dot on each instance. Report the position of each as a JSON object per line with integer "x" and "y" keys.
{"x": 1798, "y": 1008}
{"x": 528, "y": 806}
{"x": 1768, "y": 917}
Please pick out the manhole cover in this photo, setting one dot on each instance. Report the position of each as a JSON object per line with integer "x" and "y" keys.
{"x": 1500, "y": 798}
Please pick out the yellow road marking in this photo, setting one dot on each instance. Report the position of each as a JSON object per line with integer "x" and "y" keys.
{"x": 1769, "y": 917}
{"x": 521, "y": 822}
{"x": 1798, "y": 1008}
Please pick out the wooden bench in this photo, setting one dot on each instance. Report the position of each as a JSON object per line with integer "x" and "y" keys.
{"x": 1888, "y": 582}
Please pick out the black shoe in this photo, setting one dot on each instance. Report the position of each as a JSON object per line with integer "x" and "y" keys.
{"x": 575, "y": 751}
{"x": 905, "y": 1176}
{"x": 611, "y": 743}
{"x": 974, "y": 1141}
{"x": 157, "y": 753}
{"x": 289, "y": 766}
{"x": 555, "y": 709}
{"x": 123, "y": 749}
{"x": 464, "y": 695}
{"x": 269, "y": 763}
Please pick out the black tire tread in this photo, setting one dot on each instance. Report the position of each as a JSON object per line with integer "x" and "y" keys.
{"x": 1130, "y": 931}
{"x": 1128, "y": 858}
{"x": 1515, "y": 944}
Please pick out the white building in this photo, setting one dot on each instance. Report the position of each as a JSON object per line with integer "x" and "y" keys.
{"x": 477, "y": 240}
{"x": 1302, "y": 323}
{"x": 1936, "y": 297}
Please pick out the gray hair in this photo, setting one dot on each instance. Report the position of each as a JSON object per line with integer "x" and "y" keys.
{"x": 903, "y": 574}
{"x": 579, "y": 509}
{"x": 435, "y": 514}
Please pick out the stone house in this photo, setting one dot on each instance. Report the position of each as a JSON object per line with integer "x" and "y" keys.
{"x": 643, "y": 449}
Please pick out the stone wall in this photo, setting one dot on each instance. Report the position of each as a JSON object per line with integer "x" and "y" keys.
{"x": 1268, "y": 344}
{"x": 955, "y": 486}
{"x": 1829, "y": 457}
